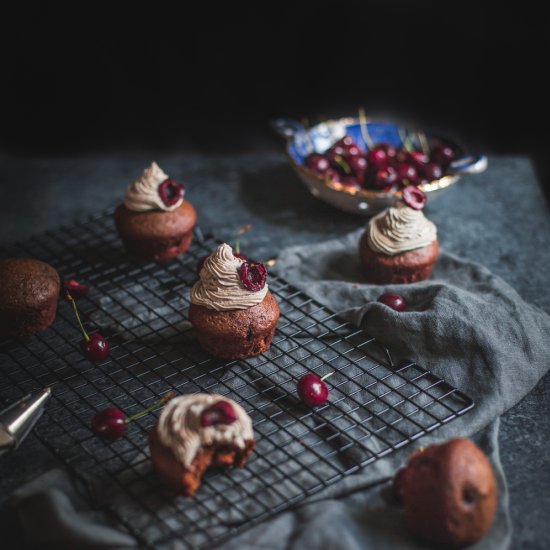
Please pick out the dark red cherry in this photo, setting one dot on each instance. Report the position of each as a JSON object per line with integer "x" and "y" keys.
{"x": 345, "y": 142}
{"x": 418, "y": 159}
{"x": 432, "y": 171}
{"x": 312, "y": 390}
{"x": 317, "y": 163}
{"x": 413, "y": 197}
{"x": 395, "y": 301}
{"x": 219, "y": 413}
{"x": 385, "y": 177}
{"x": 170, "y": 192}
{"x": 109, "y": 423}
{"x": 253, "y": 276}
{"x": 76, "y": 289}
{"x": 96, "y": 349}
{"x": 358, "y": 164}
{"x": 407, "y": 174}
{"x": 353, "y": 151}
{"x": 377, "y": 157}
{"x": 390, "y": 150}
{"x": 443, "y": 154}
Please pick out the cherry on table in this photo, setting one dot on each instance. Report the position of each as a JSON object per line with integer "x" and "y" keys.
{"x": 312, "y": 389}
{"x": 76, "y": 289}
{"x": 394, "y": 301}
{"x": 96, "y": 348}
{"x": 109, "y": 423}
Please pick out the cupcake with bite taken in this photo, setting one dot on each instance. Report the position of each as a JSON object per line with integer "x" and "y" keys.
{"x": 195, "y": 432}
{"x": 400, "y": 244}
{"x": 232, "y": 310}
{"x": 155, "y": 222}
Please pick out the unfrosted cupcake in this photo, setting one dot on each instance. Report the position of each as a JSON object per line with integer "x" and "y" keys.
{"x": 29, "y": 290}
{"x": 232, "y": 310}
{"x": 155, "y": 222}
{"x": 195, "y": 432}
{"x": 400, "y": 244}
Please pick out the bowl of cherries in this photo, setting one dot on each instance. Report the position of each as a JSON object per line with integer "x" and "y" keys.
{"x": 361, "y": 165}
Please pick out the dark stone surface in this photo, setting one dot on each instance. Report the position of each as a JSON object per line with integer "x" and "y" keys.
{"x": 499, "y": 218}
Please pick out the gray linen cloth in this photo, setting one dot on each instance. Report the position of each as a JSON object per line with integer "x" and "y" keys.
{"x": 465, "y": 324}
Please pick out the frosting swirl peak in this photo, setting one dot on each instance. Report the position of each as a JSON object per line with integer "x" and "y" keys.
{"x": 220, "y": 287}
{"x": 179, "y": 426}
{"x": 399, "y": 229}
{"x": 142, "y": 195}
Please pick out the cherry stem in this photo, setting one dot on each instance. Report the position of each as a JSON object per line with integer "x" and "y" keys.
{"x": 404, "y": 136}
{"x": 326, "y": 376}
{"x": 73, "y": 303}
{"x": 241, "y": 231}
{"x": 341, "y": 162}
{"x": 424, "y": 143}
{"x": 364, "y": 129}
{"x": 164, "y": 399}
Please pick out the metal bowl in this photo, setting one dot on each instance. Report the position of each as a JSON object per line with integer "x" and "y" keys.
{"x": 301, "y": 142}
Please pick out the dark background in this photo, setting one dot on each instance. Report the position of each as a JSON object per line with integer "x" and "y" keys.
{"x": 95, "y": 79}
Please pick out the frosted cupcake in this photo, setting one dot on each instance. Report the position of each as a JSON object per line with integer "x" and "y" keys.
{"x": 232, "y": 310}
{"x": 400, "y": 244}
{"x": 195, "y": 432}
{"x": 155, "y": 222}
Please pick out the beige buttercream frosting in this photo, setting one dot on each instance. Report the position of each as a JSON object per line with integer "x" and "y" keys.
{"x": 179, "y": 426}
{"x": 142, "y": 195}
{"x": 399, "y": 229}
{"x": 220, "y": 287}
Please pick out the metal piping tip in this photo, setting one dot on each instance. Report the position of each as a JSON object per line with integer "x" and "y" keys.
{"x": 19, "y": 418}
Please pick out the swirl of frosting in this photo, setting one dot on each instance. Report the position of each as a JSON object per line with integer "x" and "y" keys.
{"x": 399, "y": 229}
{"x": 220, "y": 287}
{"x": 142, "y": 195}
{"x": 179, "y": 426}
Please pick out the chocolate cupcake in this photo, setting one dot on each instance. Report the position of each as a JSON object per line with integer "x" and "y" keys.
{"x": 449, "y": 493}
{"x": 155, "y": 222}
{"x": 400, "y": 244}
{"x": 195, "y": 432}
{"x": 29, "y": 291}
{"x": 232, "y": 310}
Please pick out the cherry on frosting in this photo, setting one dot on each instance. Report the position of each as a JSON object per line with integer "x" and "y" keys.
{"x": 170, "y": 192}
{"x": 253, "y": 276}
{"x": 413, "y": 197}
{"x": 219, "y": 413}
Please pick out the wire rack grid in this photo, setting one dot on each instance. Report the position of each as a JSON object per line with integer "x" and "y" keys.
{"x": 374, "y": 408}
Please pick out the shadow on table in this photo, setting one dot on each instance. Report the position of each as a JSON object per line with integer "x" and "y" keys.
{"x": 277, "y": 194}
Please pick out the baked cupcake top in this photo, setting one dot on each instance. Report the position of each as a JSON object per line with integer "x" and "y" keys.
{"x": 190, "y": 422}
{"x": 399, "y": 229}
{"x": 227, "y": 282}
{"x": 154, "y": 190}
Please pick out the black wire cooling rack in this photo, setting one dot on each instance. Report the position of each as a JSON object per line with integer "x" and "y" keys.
{"x": 374, "y": 407}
